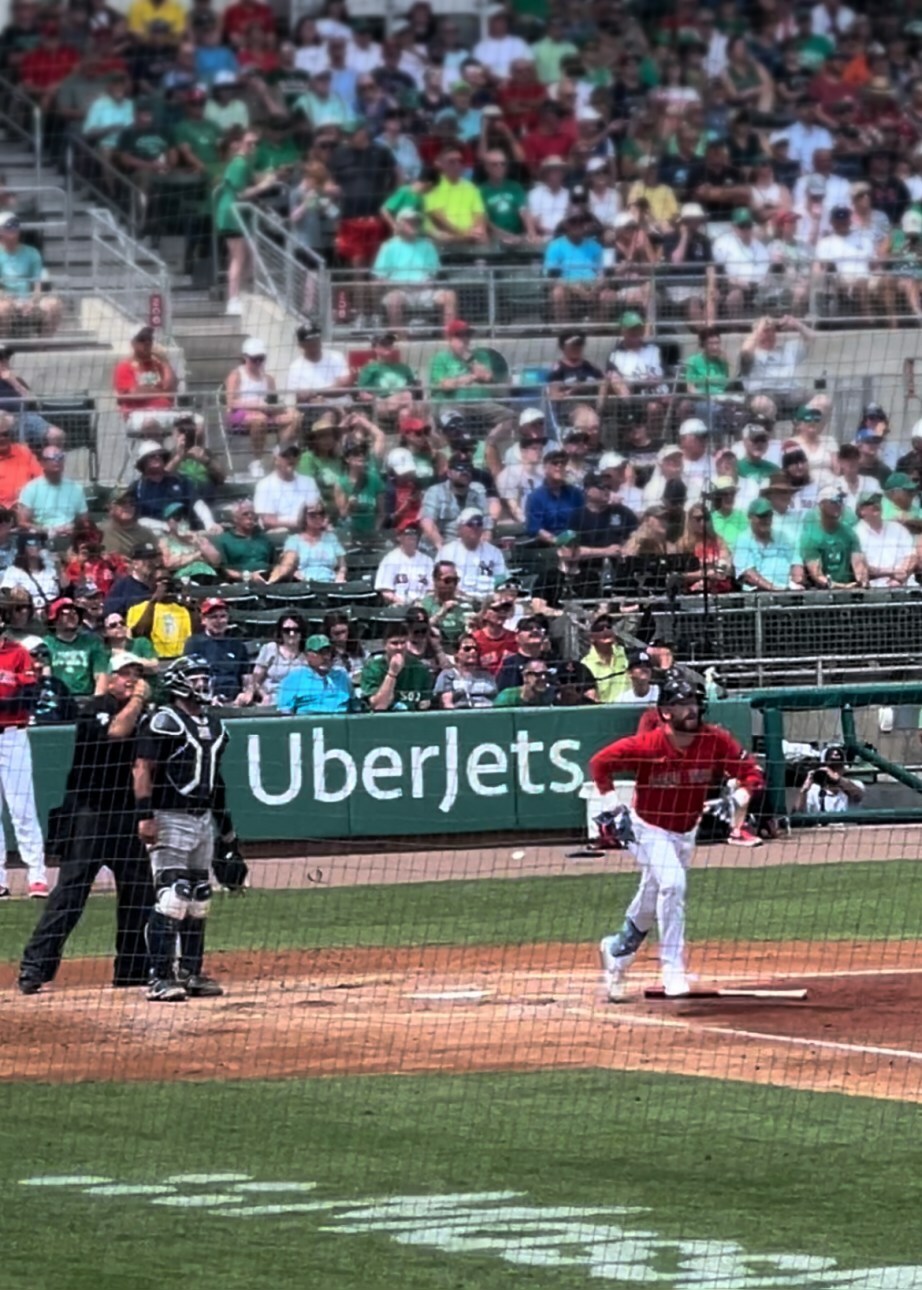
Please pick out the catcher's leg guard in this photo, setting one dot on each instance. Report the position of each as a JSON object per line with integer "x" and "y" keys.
{"x": 161, "y": 935}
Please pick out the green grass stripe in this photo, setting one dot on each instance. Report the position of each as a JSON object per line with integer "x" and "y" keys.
{"x": 778, "y": 1171}
{"x": 863, "y": 901}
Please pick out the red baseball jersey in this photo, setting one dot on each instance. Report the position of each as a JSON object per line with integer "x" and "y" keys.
{"x": 16, "y": 670}
{"x": 673, "y": 784}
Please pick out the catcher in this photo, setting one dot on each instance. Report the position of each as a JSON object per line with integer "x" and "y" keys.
{"x": 180, "y": 798}
{"x": 674, "y": 766}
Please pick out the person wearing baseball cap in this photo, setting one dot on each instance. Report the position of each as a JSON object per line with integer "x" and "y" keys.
{"x": 252, "y": 403}
{"x": 831, "y": 552}
{"x": 763, "y": 560}
{"x": 516, "y": 480}
{"x": 754, "y": 464}
{"x": 821, "y": 449}
{"x": 901, "y": 501}
{"x": 640, "y": 674}
{"x": 827, "y": 790}
{"x": 319, "y": 374}
{"x": 444, "y": 502}
{"x": 573, "y": 374}
{"x": 479, "y": 563}
{"x": 317, "y": 686}
{"x": 226, "y": 655}
{"x": 78, "y": 657}
{"x": 145, "y": 387}
{"x": 457, "y": 372}
{"x": 887, "y": 544}
{"x": 384, "y": 380}
{"x": 635, "y": 368}
{"x": 408, "y": 263}
{"x": 21, "y": 270}
{"x": 575, "y": 261}
{"x": 851, "y": 262}
{"x": 744, "y": 260}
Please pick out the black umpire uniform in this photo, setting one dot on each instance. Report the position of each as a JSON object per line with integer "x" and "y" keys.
{"x": 96, "y": 826}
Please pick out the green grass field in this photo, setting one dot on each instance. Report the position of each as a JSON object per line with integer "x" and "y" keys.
{"x": 721, "y": 1175}
{"x": 870, "y": 901}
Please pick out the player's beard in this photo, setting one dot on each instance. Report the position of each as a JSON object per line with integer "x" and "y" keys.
{"x": 686, "y": 725}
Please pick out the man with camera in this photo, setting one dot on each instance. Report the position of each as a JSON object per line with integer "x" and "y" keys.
{"x": 827, "y": 790}
{"x": 162, "y": 618}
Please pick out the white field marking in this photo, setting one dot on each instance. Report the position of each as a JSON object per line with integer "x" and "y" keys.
{"x": 449, "y": 995}
{"x": 295, "y": 1207}
{"x": 793, "y": 1041}
{"x": 274, "y": 1186}
{"x": 202, "y": 1201}
{"x": 198, "y": 1179}
{"x": 129, "y": 1189}
{"x": 63, "y": 1180}
{"x": 653, "y": 978}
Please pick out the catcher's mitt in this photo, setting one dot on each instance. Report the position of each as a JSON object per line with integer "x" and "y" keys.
{"x": 230, "y": 868}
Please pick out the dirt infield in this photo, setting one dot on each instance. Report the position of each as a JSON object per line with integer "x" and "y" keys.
{"x": 337, "y": 1012}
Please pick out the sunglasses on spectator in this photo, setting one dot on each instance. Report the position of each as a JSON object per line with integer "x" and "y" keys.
{"x": 468, "y": 649}
{"x": 290, "y": 627}
{"x": 115, "y": 621}
{"x": 450, "y": 581}
{"x": 536, "y": 674}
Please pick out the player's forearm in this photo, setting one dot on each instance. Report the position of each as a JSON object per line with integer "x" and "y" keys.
{"x": 143, "y": 779}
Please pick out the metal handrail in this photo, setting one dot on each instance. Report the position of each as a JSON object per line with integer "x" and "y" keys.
{"x": 33, "y": 136}
{"x": 134, "y": 215}
{"x": 150, "y": 274}
{"x": 263, "y": 229}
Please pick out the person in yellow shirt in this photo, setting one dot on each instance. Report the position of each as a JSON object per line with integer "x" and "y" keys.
{"x": 162, "y": 619}
{"x": 141, "y": 13}
{"x": 606, "y": 661}
{"x": 454, "y": 209}
{"x": 661, "y": 200}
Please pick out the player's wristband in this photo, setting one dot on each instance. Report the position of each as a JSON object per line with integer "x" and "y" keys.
{"x": 144, "y": 808}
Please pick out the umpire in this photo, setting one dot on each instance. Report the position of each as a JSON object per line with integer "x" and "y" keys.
{"x": 97, "y": 825}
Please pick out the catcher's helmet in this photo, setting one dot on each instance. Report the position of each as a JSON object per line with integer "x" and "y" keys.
{"x": 676, "y": 689}
{"x": 179, "y": 677}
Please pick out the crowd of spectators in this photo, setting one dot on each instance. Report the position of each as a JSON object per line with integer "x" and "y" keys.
{"x": 757, "y": 154}
{"x": 749, "y": 150}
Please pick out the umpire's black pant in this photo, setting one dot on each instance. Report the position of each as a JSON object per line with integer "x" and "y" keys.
{"x": 91, "y": 846}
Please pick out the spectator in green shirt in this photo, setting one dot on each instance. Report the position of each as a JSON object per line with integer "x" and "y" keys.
{"x": 534, "y": 692}
{"x": 78, "y": 658}
{"x": 384, "y": 380}
{"x": 707, "y": 373}
{"x": 729, "y": 523}
{"x": 901, "y": 501}
{"x": 831, "y": 552}
{"x": 445, "y": 610}
{"x": 506, "y": 203}
{"x": 409, "y": 197}
{"x": 754, "y": 463}
{"x": 458, "y": 372}
{"x": 395, "y": 680}
{"x": 551, "y": 50}
{"x": 246, "y": 553}
{"x": 277, "y": 149}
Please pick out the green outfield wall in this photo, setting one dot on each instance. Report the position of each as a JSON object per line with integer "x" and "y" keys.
{"x": 401, "y": 773}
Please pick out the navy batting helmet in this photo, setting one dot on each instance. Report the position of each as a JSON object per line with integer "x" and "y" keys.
{"x": 676, "y": 688}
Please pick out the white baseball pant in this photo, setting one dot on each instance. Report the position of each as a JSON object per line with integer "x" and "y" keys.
{"x": 663, "y": 857}
{"x": 16, "y": 789}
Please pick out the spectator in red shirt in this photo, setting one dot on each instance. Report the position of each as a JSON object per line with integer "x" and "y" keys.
{"x": 238, "y": 17}
{"x": 553, "y": 136}
{"x": 494, "y": 639}
{"x": 522, "y": 95}
{"x": 145, "y": 388}
{"x": 43, "y": 69}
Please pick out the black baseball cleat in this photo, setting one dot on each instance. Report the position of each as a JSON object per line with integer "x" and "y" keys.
{"x": 30, "y": 984}
{"x": 199, "y": 986}
{"x": 162, "y": 990}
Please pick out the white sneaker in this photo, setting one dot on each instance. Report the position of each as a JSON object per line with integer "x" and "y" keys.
{"x": 234, "y": 307}
{"x": 675, "y": 983}
{"x": 615, "y": 970}
{"x": 256, "y": 469}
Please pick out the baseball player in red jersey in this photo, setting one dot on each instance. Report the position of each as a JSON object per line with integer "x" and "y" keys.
{"x": 674, "y": 766}
{"x": 17, "y": 681}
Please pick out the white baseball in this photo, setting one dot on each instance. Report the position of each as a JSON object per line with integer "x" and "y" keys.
{"x": 518, "y": 855}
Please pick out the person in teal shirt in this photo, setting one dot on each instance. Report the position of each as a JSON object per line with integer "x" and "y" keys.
{"x": 411, "y": 261}
{"x": 52, "y": 502}
{"x": 108, "y": 116}
{"x": 238, "y": 183}
{"x": 318, "y": 687}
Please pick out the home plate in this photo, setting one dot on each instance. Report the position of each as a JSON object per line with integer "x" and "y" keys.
{"x": 451, "y": 996}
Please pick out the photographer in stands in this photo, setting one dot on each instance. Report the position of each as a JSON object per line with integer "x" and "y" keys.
{"x": 826, "y": 790}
